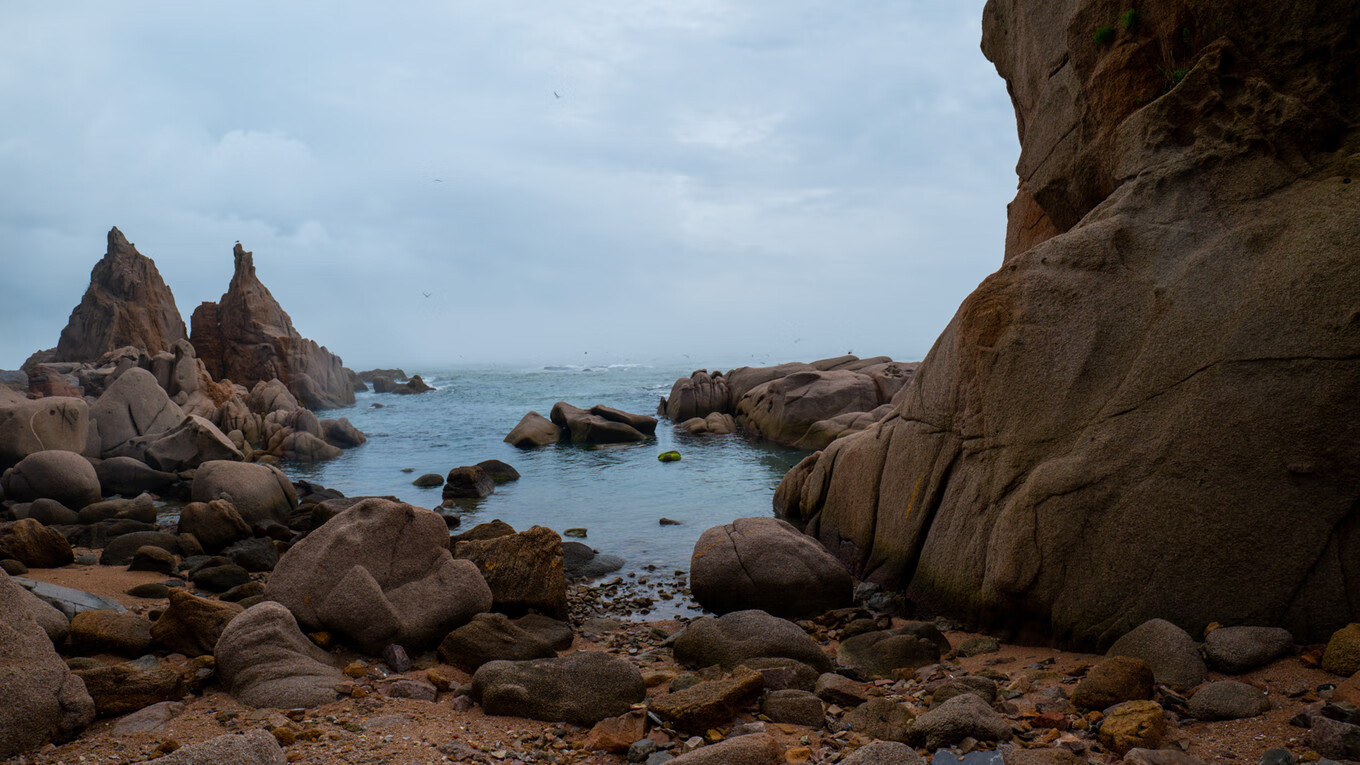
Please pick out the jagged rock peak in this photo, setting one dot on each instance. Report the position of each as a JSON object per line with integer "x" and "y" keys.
{"x": 126, "y": 304}
{"x": 247, "y": 337}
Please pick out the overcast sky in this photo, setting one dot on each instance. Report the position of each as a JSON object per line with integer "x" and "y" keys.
{"x": 636, "y": 180}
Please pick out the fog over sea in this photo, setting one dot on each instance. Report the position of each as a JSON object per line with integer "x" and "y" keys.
{"x": 617, "y": 492}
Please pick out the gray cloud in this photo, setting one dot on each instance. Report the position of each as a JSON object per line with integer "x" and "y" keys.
{"x": 711, "y": 178}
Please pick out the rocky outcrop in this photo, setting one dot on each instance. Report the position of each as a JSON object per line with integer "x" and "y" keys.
{"x": 247, "y": 337}
{"x": 806, "y": 406}
{"x": 765, "y": 563}
{"x": 127, "y": 303}
{"x": 1156, "y": 389}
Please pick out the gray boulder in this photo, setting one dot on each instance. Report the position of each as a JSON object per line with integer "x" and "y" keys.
{"x": 965, "y": 716}
{"x": 588, "y": 428}
{"x": 1169, "y": 651}
{"x": 129, "y": 477}
{"x": 134, "y": 405}
{"x": 751, "y": 749}
{"x": 491, "y": 637}
{"x": 34, "y": 544}
{"x": 187, "y": 445}
{"x": 214, "y": 524}
{"x": 1228, "y": 700}
{"x": 66, "y": 477}
{"x": 43, "y": 700}
{"x": 581, "y": 688}
{"x": 259, "y": 493}
{"x": 882, "y": 651}
{"x": 794, "y": 707}
{"x": 730, "y": 639}
{"x": 29, "y": 426}
{"x": 766, "y": 563}
{"x": 884, "y": 753}
{"x": 264, "y": 660}
{"x": 256, "y": 747}
{"x": 378, "y": 573}
{"x": 119, "y": 550}
{"x": 1241, "y": 649}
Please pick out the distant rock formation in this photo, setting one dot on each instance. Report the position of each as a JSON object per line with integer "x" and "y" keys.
{"x": 796, "y": 404}
{"x": 127, "y": 303}
{"x": 1150, "y": 409}
{"x": 248, "y": 338}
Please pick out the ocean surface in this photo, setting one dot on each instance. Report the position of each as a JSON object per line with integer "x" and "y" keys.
{"x": 618, "y": 493}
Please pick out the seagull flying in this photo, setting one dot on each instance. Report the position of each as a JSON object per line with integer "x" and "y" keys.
{"x": 426, "y": 294}
{"x": 555, "y": 94}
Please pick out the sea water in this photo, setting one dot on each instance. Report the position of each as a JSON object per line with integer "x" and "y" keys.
{"x": 618, "y": 493}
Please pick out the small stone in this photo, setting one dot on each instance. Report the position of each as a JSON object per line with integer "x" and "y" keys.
{"x": 577, "y": 533}
{"x": 671, "y": 522}
{"x": 394, "y": 656}
{"x": 978, "y": 646}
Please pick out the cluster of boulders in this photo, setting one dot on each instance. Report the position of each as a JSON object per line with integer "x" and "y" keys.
{"x": 599, "y": 424}
{"x": 392, "y": 381}
{"x": 806, "y": 406}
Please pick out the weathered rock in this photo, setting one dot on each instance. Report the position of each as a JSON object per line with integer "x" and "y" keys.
{"x": 429, "y": 481}
{"x": 48, "y": 512}
{"x": 215, "y": 524}
{"x": 794, "y": 707}
{"x": 885, "y": 753}
{"x": 342, "y": 434}
{"x": 533, "y": 430}
{"x": 580, "y": 688}
{"x": 733, "y": 638}
{"x": 129, "y": 477}
{"x": 588, "y": 428}
{"x": 1138, "y": 756}
{"x": 255, "y": 554}
{"x": 148, "y": 719}
{"x": 716, "y": 423}
{"x": 882, "y": 719}
{"x": 1241, "y": 649}
{"x": 192, "y": 625}
{"x": 67, "y": 600}
{"x": 616, "y": 734}
{"x": 1140, "y": 724}
{"x": 785, "y": 409}
{"x": 247, "y": 337}
{"x": 264, "y": 660}
{"x": 140, "y": 508}
{"x": 406, "y": 688}
{"x": 1168, "y": 650}
{"x": 882, "y": 651}
{"x": 765, "y": 563}
{"x": 581, "y": 561}
{"x": 133, "y": 407}
{"x": 491, "y": 637}
{"x": 982, "y": 687}
{"x": 1114, "y": 681}
{"x": 46, "y": 382}
{"x": 256, "y": 747}
{"x": 260, "y": 493}
{"x": 639, "y": 422}
{"x": 52, "y": 620}
{"x": 468, "y": 482}
{"x": 1106, "y": 398}
{"x": 187, "y": 445}
{"x": 699, "y": 395}
{"x": 1342, "y": 655}
{"x": 709, "y": 704}
{"x": 119, "y": 551}
{"x": 499, "y": 472}
{"x": 483, "y": 531}
{"x": 43, "y": 700}
{"x": 784, "y": 674}
{"x": 555, "y": 633}
{"x": 31, "y": 426}
{"x": 125, "y": 634}
{"x": 127, "y": 303}
{"x": 524, "y": 571}
{"x": 130, "y": 686}
{"x": 34, "y": 544}
{"x": 965, "y": 716}
{"x": 840, "y": 690}
{"x": 220, "y": 578}
{"x": 65, "y": 477}
{"x": 752, "y": 749}
{"x": 1228, "y": 700}
{"x": 1335, "y": 739}
{"x": 378, "y": 573}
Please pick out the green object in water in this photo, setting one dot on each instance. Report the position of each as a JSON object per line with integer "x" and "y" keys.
{"x": 671, "y": 456}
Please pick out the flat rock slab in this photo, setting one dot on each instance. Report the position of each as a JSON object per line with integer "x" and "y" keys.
{"x": 67, "y": 600}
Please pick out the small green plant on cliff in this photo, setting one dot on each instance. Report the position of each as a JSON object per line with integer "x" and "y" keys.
{"x": 1176, "y": 76}
{"x": 1130, "y": 18}
{"x": 1104, "y": 35}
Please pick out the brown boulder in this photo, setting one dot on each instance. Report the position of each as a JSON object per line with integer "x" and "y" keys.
{"x": 260, "y": 493}
{"x": 1140, "y": 724}
{"x": 127, "y": 303}
{"x": 698, "y": 395}
{"x": 524, "y": 571}
{"x": 1128, "y": 390}
{"x": 99, "y": 631}
{"x": 134, "y": 405}
{"x": 34, "y": 544}
{"x": 264, "y": 660}
{"x": 533, "y": 430}
{"x": 1114, "y": 681}
{"x": 491, "y": 637}
{"x": 765, "y": 563}
{"x": 65, "y": 477}
{"x": 378, "y": 573}
{"x": 247, "y": 337}
{"x": 752, "y": 749}
{"x": 128, "y": 687}
{"x": 785, "y": 409}
{"x": 192, "y": 625}
{"x": 709, "y": 704}
{"x": 28, "y": 426}
{"x": 214, "y": 524}
{"x": 588, "y": 428}
{"x": 43, "y": 700}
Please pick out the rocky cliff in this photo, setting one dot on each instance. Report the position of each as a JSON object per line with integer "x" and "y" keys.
{"x": 248, "y": 338}
{"x": 126, "y": 304}
{"x": 1151, "y": 409}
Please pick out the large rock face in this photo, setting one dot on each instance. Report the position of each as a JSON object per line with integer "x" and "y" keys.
{"x": 126, "y": 303}
{"x": 1150, "y": 410}
{"x": 247, "y": 337}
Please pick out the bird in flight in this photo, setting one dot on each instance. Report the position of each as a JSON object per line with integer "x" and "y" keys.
{"x": 555, "y": 94}
{"x": 426, "y": 294}
{"x": 437, "y": 180}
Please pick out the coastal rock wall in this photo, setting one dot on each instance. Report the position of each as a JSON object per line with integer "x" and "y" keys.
{"x": 127, "y": 303}
{"x": 1150, "y": 409}
{"x": 248, "y": 338}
